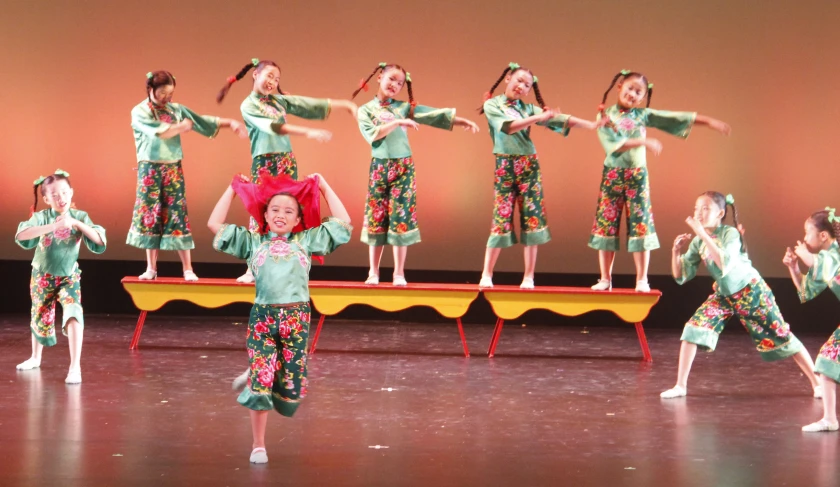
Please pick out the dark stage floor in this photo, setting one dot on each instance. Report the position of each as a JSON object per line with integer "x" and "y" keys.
{"x": 397, "y": 404}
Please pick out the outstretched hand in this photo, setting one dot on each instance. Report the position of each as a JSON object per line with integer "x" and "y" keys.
{"x": 681, "y": 241}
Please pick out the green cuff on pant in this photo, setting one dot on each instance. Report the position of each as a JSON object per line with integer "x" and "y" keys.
{"x": 789, "y": 349}
{"x": 162, "y": 243}
{"x": 609, "y": 244}
{"x": 827, "y": 368}
{"x": 45, "y": 341}
{"x": 702, "y": 337}
{"x": 640, "y": 244}
{"x": 73, "y": 310}
{"x": 538, "y": 237}
{"x": 374, "y": 239}
{"x": 501, "y": 241}
{"x": 256, "y": 402}
{"x": 404, "y": 239}
{"x": 284, "y": 406}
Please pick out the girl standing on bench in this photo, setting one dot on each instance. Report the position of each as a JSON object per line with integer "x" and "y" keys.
{"x": 390, "y": 209}
{"x": 264, "y": 113}
{"x": 819, "y": 254}
{"x": 160, "y": 220}
{"x": 56, "y": 235}
{"x": 738, "y": 291}
{"x": 624, "y": 185}
{"x": 518, "y": 180}
{"x": 278, "y": 328}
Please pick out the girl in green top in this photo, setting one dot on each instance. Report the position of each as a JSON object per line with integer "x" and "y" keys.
{"x": 264, "y": 113}
{"x": 819, "y": 254}
{"x": 738, "y": 291}
{"x": 160, "y": 220}
{"x": 391, "y": 204}
{"x": 625, "y": 185}
{"x": 56, "y": 235}
{"x": 518, "y": 180}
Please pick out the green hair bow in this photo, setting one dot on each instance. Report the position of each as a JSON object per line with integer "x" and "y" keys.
{"x": 382, "y": 65}
{"x": 513, "y": 66}
{"x": 149, "y": 75}
{"x": 832, "y": 218}
{"x": 41, "y": 179}
{"x": 255, "y": 61}
{"x": 408, "y": 77}
{"x": 730, "y": 200}
{"x": 650, "y": 86}
{"x": 536, "y": 80}
{"x": 625, "y": 72}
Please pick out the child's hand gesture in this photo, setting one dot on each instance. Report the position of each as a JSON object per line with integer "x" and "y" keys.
{"x": 695, "y": 225}
{"x": 680, "y": 242}
{"x": 721, "y": 127}
{"x": 654, "y": 146}
{"x": 187, "y": 124}
{"x": 790, "y": 259}
{"x": 319, "y": 134}
{"x": 65, "y": 221}
{"x": 407, "y": 122}
{"x": 801, "y": 250}
{"x": 547, "y": 114}
{"x": 469, "y": 126}
{"x": 322, "y": 183}
{"x": 238, "y": 129}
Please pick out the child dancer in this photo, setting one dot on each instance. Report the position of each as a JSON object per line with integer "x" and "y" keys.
{"x": 265, "y": 113}
{"x": 819, "y": 253}
{"x": 57, "y": 233}
{"x": 278, "y": 328}
{"x": 624, "y": 185}
{"x": 390, "y": 209}
{"x": 518, "y": 180}
{"x": 738, "y": 290}
{"x": 160, "y": 219}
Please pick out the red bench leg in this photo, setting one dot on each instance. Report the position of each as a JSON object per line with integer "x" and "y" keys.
{"x": 463, "y": 339}
{"x": 317, "y": 334}
{"x": 497, "y": 332}
{"x": 643, "y": 342}
{"x": 135, "y": 340}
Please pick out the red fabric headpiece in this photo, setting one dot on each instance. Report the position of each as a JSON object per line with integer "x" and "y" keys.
{"x": 255, "y": 197}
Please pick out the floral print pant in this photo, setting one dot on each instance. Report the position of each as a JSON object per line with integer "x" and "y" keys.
{"x": 273, "y": 164}
{"x": 624, "y": 190}
{"x": 160, "y": 219}
{"x": 277, "y": 348}
{"x": 756, "y": 308}
{"x": 828, "y": 360}
{"x": 518, "y": 182}
{"x": 46, "y": 290}
{"x": 391, "y": 206}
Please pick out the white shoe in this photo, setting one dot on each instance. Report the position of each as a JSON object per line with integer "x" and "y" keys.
{"x": 485, "y": 282}
{"x": 673, "y": 392}
{"x": 400, "y": 281}
{"x": 642, "y": 286}
{"x": 246, "y": 278}
{"x": 190, "y": 276}
{"x": 74, "y": 376}
{"x": 240, "y": 382}
{"x": 602, "y": 285}
{"x": 527, "y": 283}
{"x": 149, "y": 275}
{"x": 372, "y": 280}
{"x": 819, "y": 426}
{"x": 259, "y": 456}
{"x": 818, "y": 392}
{"x": 28, "y": 364}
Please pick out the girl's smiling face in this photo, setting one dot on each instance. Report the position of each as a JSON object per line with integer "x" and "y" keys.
{"x": 59, "y": 195}
{"x": 266, "y": 79}
{"x": 282, "y": 214}
{"x": 391, "y": 82}
{"x": 518, "y": 84}
{"x": 631, "y": 92}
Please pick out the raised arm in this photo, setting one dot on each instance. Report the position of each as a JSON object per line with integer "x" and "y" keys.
{"x": 676, "y": 253}
{"x": 333, "y": 202}
{"x": 713, "y": 124}
{"x": 522, "y": 124}
{"x": 220, "y": 211}
{"x": 792, "y": 263}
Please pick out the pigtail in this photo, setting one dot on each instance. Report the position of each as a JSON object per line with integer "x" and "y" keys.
{"x": 835, "y": 226}
{"x": 238, "y": 76}
{"x": 35, "y": 203}
{"x": 411, "y": 101}
{"x": 489, "y": 94}
{"x": 607, "y": 93}
{"x": 735, "y": 220}
{"x": 538, "y": 95}
{"x": 650, "y": 94}
{"x": 363, "y": 84}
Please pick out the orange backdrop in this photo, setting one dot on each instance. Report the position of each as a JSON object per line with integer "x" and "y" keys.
{"x": 73, "y": 71}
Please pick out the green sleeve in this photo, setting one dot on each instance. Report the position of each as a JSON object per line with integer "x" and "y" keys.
{"x": 143, "y": 122}
{"x": 690, "y": 261}
{"x": 366, "y": 126}
{"x": 498, "y": 119}
{"x": 90, "y": 244}
{"x": 558, "y": 123}
{"x": 205, "y": 125}
{"x": 36, "y": 220}
{"x": 254, "y": 117}
{"x": 611, "y": 140}
{"x": 819, "y": 276}
{"x": 305, "y": 107}
{"x": 326, "y": 237}
{"x": 235, "y": 241}
{"x": 442, "y": 118}
{"x": 674, "y": 123}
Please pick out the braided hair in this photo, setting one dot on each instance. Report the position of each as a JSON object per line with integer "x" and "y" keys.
{"x": 43, "y": 188}
{"x": 823, "y": 223}
{"x": 720, "y": 201}
{"x": 624, "y": 75}
{"x": 383, "y": 67}
{"x": 511, "y": 71}
{"x": 255, "y": 63}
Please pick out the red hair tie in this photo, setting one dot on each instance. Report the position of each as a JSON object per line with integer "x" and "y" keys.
{"x": 413, "y": 104}
{"x": 363, "y": 84}
{"x": 487, "y": 96}
{"x": 231, "y": 80}
{"x": 601, "y": 107}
